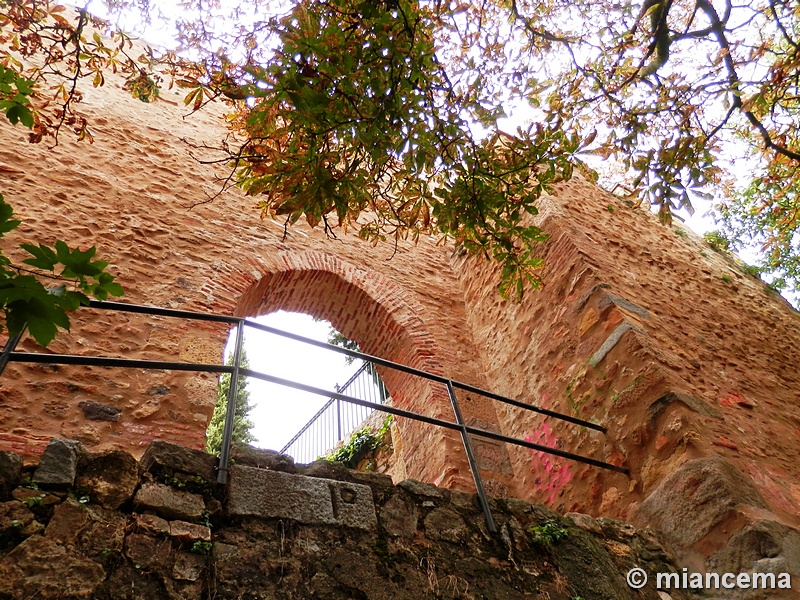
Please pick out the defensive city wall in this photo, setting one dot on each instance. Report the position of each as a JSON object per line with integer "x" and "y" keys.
{"x": 689, "y": 362}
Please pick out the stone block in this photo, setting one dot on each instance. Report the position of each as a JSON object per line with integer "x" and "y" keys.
{"x": 14, "y": 517}
{"x": 110, "y": 478}
{"x": 325, "y": 469}
{"x": 188, "y": 567}
{"x": 756, "y": 545}
{"x": 168, "y": 502}
{"x": 10, "y": 473}
{"x": 308, "y": 500}
{"x": 40, "y": 568}
{"x": 243, "y": 454}
{"x": 445, "y": 524}
{"x": 34, "y": 497}
{"x": 692, "y": 501}
{"x": 149, "y": 553}
{"x": 179, "y": 458}
{"x": 151, "y": 524}
{"x": 189, "y": 532}
{"x": 399, "y": 517}
{"x": 418, "y": 488}
{"x": 59, "y": 464}
{"x": 67, "y": 522}
{"x": 94, "y": 411}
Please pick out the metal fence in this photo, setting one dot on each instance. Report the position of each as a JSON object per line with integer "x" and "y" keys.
{"x": 236, "y": 371}
{"x": 336, "y": 420}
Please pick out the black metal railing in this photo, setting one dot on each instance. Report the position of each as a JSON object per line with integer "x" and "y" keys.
{"x": 336, "y": 420}
{"x": 466, "y": 431}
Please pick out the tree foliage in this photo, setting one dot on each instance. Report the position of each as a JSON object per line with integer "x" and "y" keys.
{"x": 25, "y": 300}
{"x": 382, "y": 115}
{"x": 242, "y": 425}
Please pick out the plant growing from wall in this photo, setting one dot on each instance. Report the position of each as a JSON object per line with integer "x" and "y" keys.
{"x": 361, "y": 443}
{"x": 548, "y": 534}
{"x": 242, "y": 425}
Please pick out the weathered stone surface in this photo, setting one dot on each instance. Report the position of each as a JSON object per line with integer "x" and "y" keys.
{"x": 399, "y": 517}
{"x": 15, "y": 520}
{"x": 586, "y": 522}
{"x": 109, "y": 478}
{"x": 152, "y": 525}
{"x": 272, "y": 494}
{"x": 34, "y": 497}
{"x": 41, "y": 568}
{"x": 445, "y": 524}
{"x": 189, "y": 531}
{"x": 103, "y": 538}
{"x": 335, "y": 552}
{"x": 188, "y": 567}
{"x": 155, "y": 554}
{"x": 757, "y": 544}
{"x": 469, "y": 500}
{"x": 59, "y": 464}
{"x": 659, "y": 406}
{"x": 94, "y": 411}
{"x": 67, "y": 523}
{"x": 696, "y": 498}
{"x": 10, "y": 473}
{"x": 165, "y": 455}
{"x": 168, "y": 502}
{"x": 325, "y": 469}
{"x": 244, "y": 454}
{"x": 419, "y": 488}
{"x": 99, "y": 534}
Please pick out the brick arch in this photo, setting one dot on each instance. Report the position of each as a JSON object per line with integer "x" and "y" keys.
{"x": 369, "y": 308}
{"x": 362, "y": 304}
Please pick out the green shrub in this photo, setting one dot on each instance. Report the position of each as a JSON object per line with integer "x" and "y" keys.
{"x": 548, "y": 534}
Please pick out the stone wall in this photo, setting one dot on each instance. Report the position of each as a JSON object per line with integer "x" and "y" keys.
{"x": 141, "y": 197}
{"x": 688, "y": 361}
{"x": 102, "y": 526}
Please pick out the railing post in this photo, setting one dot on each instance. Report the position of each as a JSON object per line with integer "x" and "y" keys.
{"x": 338, "y": 420}
{"x": 473, "y": 464}
{"x": 230, "y": 413}
{"x": 10, "y": 346}
{"x": 382, "y": 390}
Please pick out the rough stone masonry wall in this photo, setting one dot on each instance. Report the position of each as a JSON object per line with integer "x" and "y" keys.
{"x": 690, "y": 362}
{"x": 137, "y": 193}
{"x": 101, "y": 526}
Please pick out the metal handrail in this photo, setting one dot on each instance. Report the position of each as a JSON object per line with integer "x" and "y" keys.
{"x": 340, "y": 389}
{"x": 237, "y": 371}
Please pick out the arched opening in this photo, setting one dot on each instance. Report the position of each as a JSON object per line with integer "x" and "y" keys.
{"x": 373, "y": 312}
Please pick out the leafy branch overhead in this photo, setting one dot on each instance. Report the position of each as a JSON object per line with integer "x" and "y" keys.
{"x": 25, "y": 299}
{"x": 384, "y": 116}
{"x": 357, "y": 123}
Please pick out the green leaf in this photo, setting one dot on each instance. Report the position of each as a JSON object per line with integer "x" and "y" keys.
{"x": 43, "y": 257}
{"x": 6, "y": 212}
{"x": 18, "y": 113}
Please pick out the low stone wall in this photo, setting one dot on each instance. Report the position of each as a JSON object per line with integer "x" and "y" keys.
{"x": 83, "y": 525}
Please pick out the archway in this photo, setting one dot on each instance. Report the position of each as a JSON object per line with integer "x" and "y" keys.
{"x": 371, "y": 310}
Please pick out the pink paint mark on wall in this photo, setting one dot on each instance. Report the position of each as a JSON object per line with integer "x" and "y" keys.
{"x": 552, "y": 472}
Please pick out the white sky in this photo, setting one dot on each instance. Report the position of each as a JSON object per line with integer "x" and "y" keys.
{"x": 280, "y": 411}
